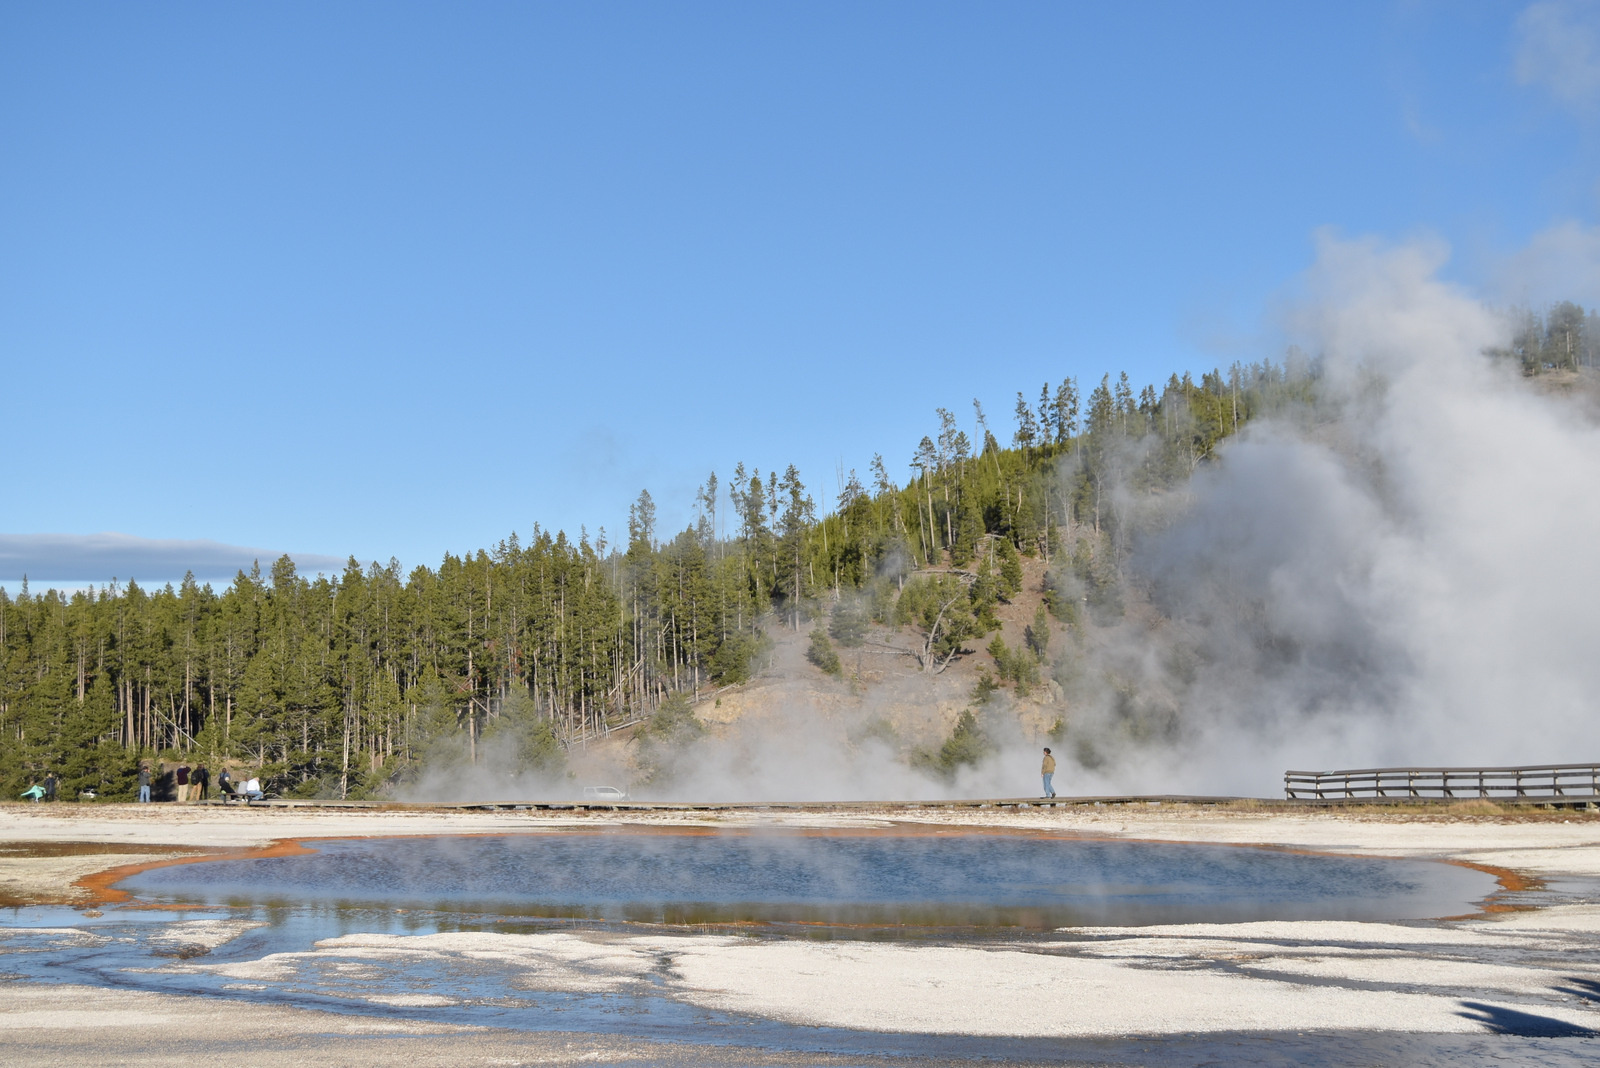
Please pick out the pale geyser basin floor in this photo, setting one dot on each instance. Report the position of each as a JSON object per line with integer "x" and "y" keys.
{"x": 1419, "y": 993}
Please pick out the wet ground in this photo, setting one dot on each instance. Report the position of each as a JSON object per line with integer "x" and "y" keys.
{"x": 659, "y": 940}
{"x": 150, "y": 951}
{"x": 19, "y": 853}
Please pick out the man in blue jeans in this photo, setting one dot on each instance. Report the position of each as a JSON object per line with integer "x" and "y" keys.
{"x": 1048, "y": 769}
{"x": 144, "y": 783}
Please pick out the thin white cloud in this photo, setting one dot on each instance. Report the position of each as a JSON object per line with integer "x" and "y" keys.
{"x": 1558, "y": 47}
{"x": 101, "y": 557}
{"x": 1559, "y": 263}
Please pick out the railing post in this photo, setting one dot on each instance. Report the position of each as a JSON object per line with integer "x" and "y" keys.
{"x": 1543, "y": 781}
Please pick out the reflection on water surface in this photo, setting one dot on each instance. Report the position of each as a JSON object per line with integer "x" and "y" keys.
{"x": 522, "y": 931}
{"x": 889, "y": 879}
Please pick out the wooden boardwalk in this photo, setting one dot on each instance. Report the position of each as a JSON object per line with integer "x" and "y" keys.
{"x": 1578, "y": 784}
{"x": 1012, "y": 803}
{"x": 740, "y": 806}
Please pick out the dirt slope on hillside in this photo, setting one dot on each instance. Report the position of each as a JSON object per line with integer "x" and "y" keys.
{"x": 883, "y": 691}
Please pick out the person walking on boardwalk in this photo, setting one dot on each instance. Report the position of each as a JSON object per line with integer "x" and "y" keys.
{"x": 51, "y": 785}
{"x": 1048, "y": 770}
{"x": 199, "y": 783}
{"x": 144, "y": 783}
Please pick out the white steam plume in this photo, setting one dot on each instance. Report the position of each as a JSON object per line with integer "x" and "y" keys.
{"x": 1404, "y": 572}
{"x": 1410, "y": 575}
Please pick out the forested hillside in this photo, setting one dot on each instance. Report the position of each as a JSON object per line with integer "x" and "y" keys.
{"x": 348, "y": 686}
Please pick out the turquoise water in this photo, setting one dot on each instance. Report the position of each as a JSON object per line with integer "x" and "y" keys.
{"x": 878, "y": 879}
{"x": 941, "y": 889}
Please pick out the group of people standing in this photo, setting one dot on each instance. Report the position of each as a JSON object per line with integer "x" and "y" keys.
{"x": 192, "y": 784}
{"x": 45, "y": 791}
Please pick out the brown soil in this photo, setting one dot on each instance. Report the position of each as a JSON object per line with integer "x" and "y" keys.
{"x": 77, "y": 849}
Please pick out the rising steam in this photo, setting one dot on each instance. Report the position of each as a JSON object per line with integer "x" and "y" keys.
{"x": 1402, "y": 571}
{"x": 1403, "y": 574}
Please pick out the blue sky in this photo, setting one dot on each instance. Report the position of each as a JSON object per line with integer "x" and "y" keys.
{"x": 398, "y": 279}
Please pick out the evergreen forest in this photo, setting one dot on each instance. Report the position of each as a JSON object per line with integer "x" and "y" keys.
{"x": 349, "y": 686}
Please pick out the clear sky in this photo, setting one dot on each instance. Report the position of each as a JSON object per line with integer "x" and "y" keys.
{"x": 398, "y": 279}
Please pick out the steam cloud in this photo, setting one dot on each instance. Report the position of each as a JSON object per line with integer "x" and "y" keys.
{"x": 1404, "y": 572}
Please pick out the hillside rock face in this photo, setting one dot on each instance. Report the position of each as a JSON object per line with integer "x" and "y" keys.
{"x": 882, "y": 710}
{"x": 882, "y": 679}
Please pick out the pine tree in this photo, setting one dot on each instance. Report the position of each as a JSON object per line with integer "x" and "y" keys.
{"x": 1010, "y": 567}
{"x": 1124, "y": 401}
{"x": 821, "y": 653}
{"x": 1066, "y": 411}
{"x": 642, "y": 521}
{"x": 1047, "y": 416}
{"x": 1563, "y": 343}
{"x": 1037, "y": 633}
{"x": 847, "y": 623}
{"x": 1102, "y": 410}
{"x": 344, "y": 685}
{"x": 1027, "y": 430}
{"x": 798, "y": 514}
{"x": 880, "y": 476}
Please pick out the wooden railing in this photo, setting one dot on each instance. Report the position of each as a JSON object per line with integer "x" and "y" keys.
{"x": 1547, "y": 781}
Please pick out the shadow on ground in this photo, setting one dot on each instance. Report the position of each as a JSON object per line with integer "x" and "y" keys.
{"x": 1504, "y": 1021}
{"x": 1586, "y": 989}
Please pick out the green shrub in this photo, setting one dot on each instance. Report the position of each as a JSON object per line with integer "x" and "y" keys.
{"x": 1014, "y": 665}
{"x": 967, "y": 746}
{"x": 821, "y": 653}
{"x": 1010, "y": 567}
{"x": 847, "y": 624}
{"x": 734, "y": 660}
{"x": 1037, "y": 635}
{"x": 664, "y": 741}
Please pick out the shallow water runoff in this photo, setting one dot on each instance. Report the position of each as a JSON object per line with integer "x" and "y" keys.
{"x": 882, "y": 880}
{"x": 632, "y": 931}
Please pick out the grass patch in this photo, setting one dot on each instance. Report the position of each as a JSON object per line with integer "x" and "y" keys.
{"x": 1476, "y": 807}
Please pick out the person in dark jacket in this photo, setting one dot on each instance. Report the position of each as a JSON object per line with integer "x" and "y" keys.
{"x": 182, "y": 779}
{"x": 51, "y": 784}
{"x": 144, "y": 783}
{"x": 199, "y": 783}
{"x": 225, "y": 785}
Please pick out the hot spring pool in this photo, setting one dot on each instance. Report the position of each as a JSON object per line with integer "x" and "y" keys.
{"x": 880, "y": 879}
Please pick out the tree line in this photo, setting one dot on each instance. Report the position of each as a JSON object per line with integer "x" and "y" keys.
{"x": 1566, "y": 338}
{"x": 348, "y": 685}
